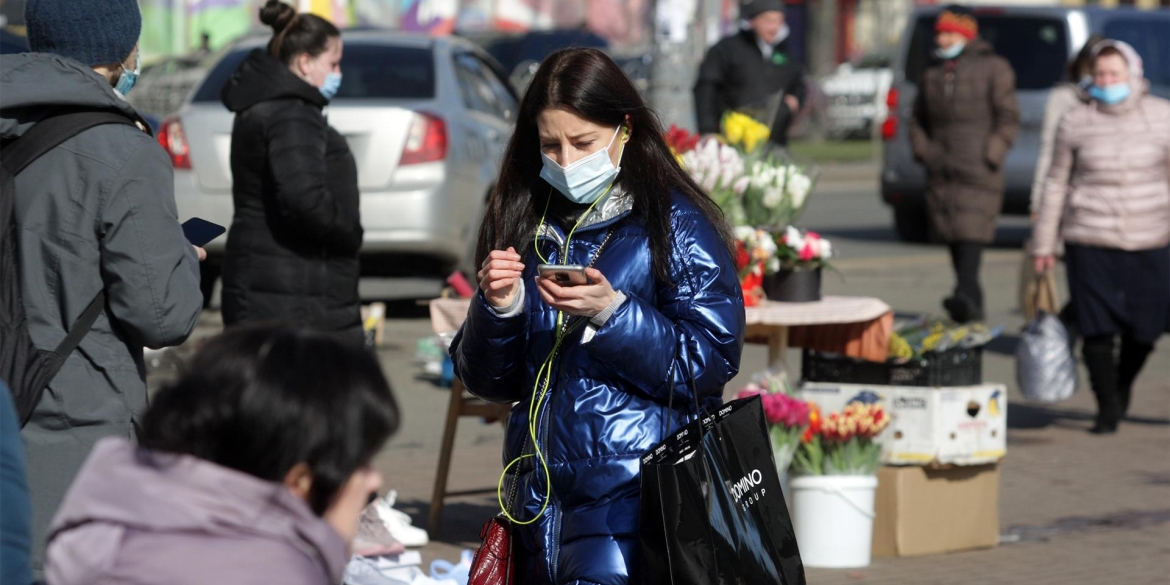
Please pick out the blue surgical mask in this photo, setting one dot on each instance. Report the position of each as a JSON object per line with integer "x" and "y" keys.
{"x": 331, "y": 85}
{"x": 129, "y": 78}
{"x": 951, "y": 52}
{"x": 586, "y": 180}
{"x": 1110, "y": 94}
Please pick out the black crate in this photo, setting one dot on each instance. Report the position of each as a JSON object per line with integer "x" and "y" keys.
{"x": 954, "y": 367}
{"x": 830, "y": 367}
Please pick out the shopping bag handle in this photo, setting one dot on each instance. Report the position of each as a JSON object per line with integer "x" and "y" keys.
{"x": 699, "y": 412}
{"x": 1043, "y": 283}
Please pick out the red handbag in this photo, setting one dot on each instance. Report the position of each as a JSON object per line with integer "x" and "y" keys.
{"x": 493, "y": 564}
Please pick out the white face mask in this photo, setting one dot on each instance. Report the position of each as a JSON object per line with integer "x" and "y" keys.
{"x": 586, "y": 180}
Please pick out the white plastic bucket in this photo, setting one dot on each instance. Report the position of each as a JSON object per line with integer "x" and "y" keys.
{"x": 833, "y": 519}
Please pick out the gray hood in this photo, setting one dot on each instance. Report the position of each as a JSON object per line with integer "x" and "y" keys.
{"x": 124, "y": 489}
{"x": 37, "y": 84}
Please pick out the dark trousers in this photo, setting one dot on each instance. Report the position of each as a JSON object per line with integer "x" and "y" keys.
{"x": 966, "y": 304}
{"x": 1112, "y": 375}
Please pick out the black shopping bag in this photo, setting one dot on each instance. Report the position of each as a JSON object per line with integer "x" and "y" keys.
{"x": 711, "y": 507}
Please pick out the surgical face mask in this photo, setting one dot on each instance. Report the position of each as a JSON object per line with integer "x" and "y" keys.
{"x": 331, "y": 84}
{"x": 129, "y": 78}
{"x": 1110, "y": 94}
{"x": 950, "y": 52}
{"x": 586, "y": 180}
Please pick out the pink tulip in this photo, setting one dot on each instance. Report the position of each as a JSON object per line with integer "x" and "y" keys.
{"x": 807, "y": 253}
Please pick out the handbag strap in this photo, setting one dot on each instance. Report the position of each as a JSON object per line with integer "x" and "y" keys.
{"x": 694, "y": 391}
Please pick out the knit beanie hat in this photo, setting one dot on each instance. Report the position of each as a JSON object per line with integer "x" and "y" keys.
{"x": 958, "y": 19}
{"x": 753, "y": 8}
{"x": 94, "y": 32}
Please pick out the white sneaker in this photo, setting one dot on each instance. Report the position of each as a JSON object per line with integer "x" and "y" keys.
{"x": 398, "y": 523}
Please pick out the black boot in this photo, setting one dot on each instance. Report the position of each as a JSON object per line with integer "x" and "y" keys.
{"x": 1102, "y": 365}
{"x": 966, "y": 304}
{"x": 1133, "y": 357}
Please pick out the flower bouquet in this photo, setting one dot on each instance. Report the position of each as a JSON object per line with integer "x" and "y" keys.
{"x": 767, "y": 262}
{"x": 787, "y": 416}
{"x": 762, "y": 190}
{"x": 842, "y": 443}
{"x": 756, "y": 184}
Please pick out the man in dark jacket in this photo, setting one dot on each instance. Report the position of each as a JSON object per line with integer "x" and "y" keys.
{"x": 965, "y": 119}
{"x": 752, "y": 72}
{"x": 95, "y": 214}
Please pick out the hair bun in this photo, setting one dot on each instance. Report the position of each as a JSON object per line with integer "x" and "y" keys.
{"x": 277, "y": 15}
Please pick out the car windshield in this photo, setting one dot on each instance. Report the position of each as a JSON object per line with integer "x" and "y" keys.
{"x": 365, "y": 68}
{"x": 1037, "y": 47}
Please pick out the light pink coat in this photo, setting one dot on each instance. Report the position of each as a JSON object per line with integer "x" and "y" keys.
{"x": 1109, "y": 182}
{"x": 184, "y": 521}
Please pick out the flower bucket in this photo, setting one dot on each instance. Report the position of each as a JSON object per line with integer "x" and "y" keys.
{"x": 793, "y": 286}
{"x": 833, "y": 519}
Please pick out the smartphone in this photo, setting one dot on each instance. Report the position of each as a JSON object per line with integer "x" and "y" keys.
{"x": 200, "y": 231}
{"x": 564, "y": 274}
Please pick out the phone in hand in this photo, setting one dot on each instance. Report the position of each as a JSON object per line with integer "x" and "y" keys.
{"x": 200, "y": 231}
{"x": 564, "y": 274}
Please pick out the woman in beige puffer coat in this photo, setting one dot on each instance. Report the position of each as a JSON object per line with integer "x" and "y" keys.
{"x": 1108, "y": 197}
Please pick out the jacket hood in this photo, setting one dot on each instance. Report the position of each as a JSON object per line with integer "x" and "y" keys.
{"x": 1138, "y": 84}
{"x": 37, "y": 84}
{"x": 262, "y": 77}
{"x": 124, "y": 488}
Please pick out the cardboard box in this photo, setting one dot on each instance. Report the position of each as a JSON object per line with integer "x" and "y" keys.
{"x": 964, "y": 425}
{"x": 922, "y": 511}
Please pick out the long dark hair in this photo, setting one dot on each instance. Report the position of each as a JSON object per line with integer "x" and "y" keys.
{"x": 262, "y": 399}
{"x": 295, "y": 33}
{"x": 590, "y": 84}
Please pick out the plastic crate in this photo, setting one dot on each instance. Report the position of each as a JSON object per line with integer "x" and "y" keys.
{"x": 830, "y": 367}
{"x": 954, "y": 367}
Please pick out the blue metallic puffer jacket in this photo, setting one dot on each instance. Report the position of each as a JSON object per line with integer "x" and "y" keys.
{"x": 608, "y": 401}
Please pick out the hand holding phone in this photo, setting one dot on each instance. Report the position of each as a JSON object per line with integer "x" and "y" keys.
{"x": 575, "y": 290}
{"x": 564, "y": 274}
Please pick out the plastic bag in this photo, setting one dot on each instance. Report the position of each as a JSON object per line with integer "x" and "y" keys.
{"x": 1045, "y": 366}
{"x": 460, "y": 573}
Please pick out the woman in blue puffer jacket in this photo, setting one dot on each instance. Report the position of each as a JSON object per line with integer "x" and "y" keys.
{"x": 588, "y": 180}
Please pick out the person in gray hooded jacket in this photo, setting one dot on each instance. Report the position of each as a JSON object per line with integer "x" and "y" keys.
{"x": 96, "y": 213}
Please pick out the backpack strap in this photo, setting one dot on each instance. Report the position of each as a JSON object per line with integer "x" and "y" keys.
{"x": 49, "y": 133}
{"x": 44, "y": 136}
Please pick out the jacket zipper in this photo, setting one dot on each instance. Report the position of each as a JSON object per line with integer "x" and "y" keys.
{"x": 543, "y": 424}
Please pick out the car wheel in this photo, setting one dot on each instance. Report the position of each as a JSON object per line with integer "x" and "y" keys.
{"x": 911, "y": 223}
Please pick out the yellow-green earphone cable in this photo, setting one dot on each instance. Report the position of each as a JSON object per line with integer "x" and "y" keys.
{"x": 545, "y": 373}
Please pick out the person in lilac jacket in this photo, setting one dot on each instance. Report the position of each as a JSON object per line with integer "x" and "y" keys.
{"x": 255, "y": 468}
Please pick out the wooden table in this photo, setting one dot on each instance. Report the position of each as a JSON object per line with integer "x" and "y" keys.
{"x": 769, "y": 323}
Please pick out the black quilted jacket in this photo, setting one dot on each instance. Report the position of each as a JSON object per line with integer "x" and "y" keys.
{"x": 292, "y": 252}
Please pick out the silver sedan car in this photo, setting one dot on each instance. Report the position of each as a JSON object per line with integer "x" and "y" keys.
{"x": 427, "y": 120}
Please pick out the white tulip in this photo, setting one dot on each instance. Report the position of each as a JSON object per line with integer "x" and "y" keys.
{"x": 773, "y": 197}
{"x": 794, "y": 239}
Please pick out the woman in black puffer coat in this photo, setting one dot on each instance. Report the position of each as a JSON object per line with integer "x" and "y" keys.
{"x": 292, "y": 253}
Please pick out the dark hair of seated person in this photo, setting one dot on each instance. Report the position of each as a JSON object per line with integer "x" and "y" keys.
{"x": 263, "y": 399}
